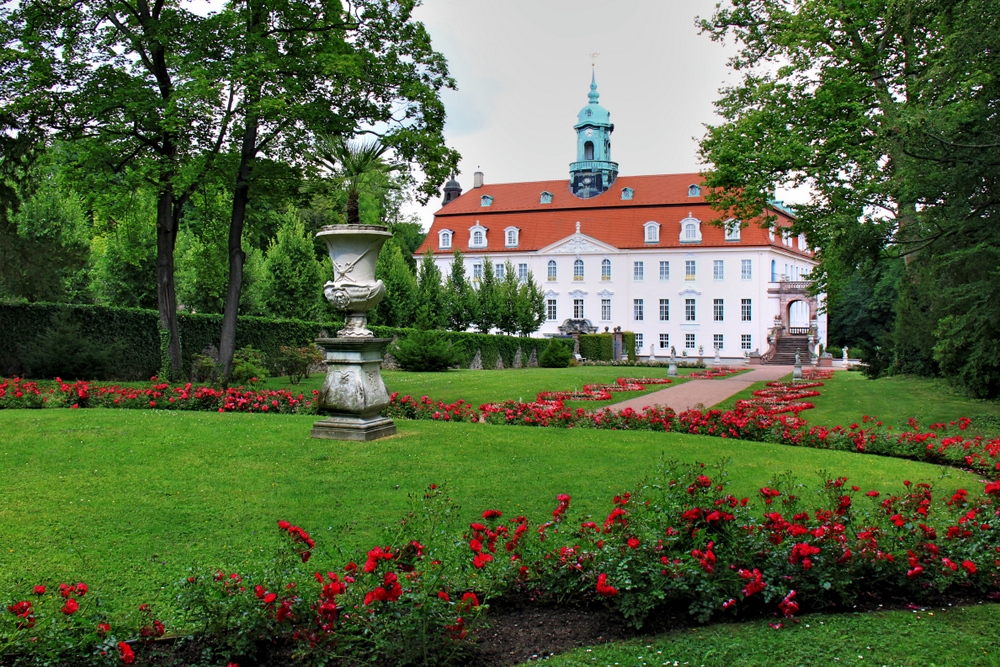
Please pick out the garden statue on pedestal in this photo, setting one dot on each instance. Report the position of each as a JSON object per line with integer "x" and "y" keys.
{"x": 354, "y": 393}
{"x": 652, "y": 353}
{"x": 797, "y": 370}
{"x": 718, "y": 360}
{"x": 672, "y": 366}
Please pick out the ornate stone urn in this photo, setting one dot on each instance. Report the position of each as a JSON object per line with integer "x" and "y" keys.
{"x": 354, "y": 393}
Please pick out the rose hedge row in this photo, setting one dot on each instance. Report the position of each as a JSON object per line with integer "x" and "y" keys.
{"x": 681, "y": 542}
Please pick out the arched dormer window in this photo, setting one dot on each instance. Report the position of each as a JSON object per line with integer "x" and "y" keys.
{"x": 732, "y": 229}
{"x": 770, "y": 234}
{"x": 694, "y": 190}
{"x": 477, "y": 236}
{"x": 486, "y": 200}
{"x": 802, "y": 242}
{"x": 511, "y": 235}
{"x": 651, "y": 232}
{"x": 786, "y": 237}
{"x": 444, "y": 239}
{"x": 627, "y": 194}
{"x": 690, "y": 230}
{"x": 588, "y": 150}
{"x": 551, "y": 275}
{"x": 578, "y": 269}
{"x": 545, "y": 198}
{"x": 605, "y": 269}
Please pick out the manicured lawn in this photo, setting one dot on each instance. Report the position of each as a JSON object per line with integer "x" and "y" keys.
{"x": 963, "y": 637}
{"x": 848, "y": 396}
{"x": 478, "y": 387}
{"x": 127, "y": 500}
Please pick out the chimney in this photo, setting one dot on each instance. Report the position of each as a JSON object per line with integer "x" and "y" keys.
{"x": 477, "y": 179}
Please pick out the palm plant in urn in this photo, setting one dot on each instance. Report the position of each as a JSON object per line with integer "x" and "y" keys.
{"x": 354, "y": 393}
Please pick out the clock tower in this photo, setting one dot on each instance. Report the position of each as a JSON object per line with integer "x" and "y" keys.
{"x": 593, "y": 172}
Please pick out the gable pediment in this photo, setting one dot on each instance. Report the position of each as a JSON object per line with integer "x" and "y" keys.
{"x": 578, "y": 244}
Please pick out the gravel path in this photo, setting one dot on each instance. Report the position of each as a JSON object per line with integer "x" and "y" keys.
{"x": 704, "y": 392}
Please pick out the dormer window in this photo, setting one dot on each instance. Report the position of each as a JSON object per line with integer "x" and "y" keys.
{"x": 694, "y": 190}
{"x": 511, "y": 235}
{"x": 627, "y": 194}
{"x": 486, "y": 200}
{"x": 802, "y": 242}
{"x": 444, "y": 239}
{"x": 652, "y": 231}
{"x": 477, "y": 236}
{"x": 690, "y": 230}
{"x": 732, "y": 230}
{"x": 546, "y": 198}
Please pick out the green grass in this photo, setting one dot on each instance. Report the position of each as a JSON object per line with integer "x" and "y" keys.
{"x": 960, "y": 637}
{"x": 127, "y": 500}
{"x": 847, "y": 397}
{"x": 524, "y": 384}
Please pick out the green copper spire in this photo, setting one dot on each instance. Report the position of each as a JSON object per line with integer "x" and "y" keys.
{"x": 593, "y": 172}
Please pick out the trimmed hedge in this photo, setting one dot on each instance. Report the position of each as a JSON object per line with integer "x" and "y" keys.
{"x": 597, "y": 347}
{"x": 137, "y": 334}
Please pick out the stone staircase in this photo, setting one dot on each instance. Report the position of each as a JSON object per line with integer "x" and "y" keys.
{"x": 787, "y": 347}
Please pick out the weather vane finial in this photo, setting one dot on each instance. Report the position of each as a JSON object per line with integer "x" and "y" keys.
{"x": 593, "y": 58}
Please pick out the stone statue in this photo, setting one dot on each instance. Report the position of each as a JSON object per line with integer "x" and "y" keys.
{"x": 797, "y": 371}
{"x": 798, "y": 362}
{"x": 672, "y": 366}
{"x": 652, "y": 352}
{"x": 718, "y": 360}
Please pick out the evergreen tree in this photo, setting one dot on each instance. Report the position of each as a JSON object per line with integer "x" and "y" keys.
{"x": 508, "y": 292}
{"x": 487, "y": 299}
{"x": 461, "y": 296}
{"x": 530, "y": 307}
{"x": 294, "y": 280}
{"x": 398, "y": 306}
{"x": 432, "y": 308}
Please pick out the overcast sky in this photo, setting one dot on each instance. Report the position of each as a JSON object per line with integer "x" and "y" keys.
{"x": 523, "y": 73}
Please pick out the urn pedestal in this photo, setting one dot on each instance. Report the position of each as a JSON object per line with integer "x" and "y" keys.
{"x": 354, "y": 393}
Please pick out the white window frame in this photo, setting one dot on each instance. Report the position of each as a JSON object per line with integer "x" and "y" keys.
{"x": 522, "y": 271}
{"x": 664, "y": 341}
{"x": 551, "y": 310}
{"x": 690, "y": 310}
{"x": 746, "y": 269}
{"x": 651, "y": 232}
{"x": 732, "y": 229}
{"x": 746, "y": 310}
{"x": 638, "y": 343}
{"x": 690, "y": 230}
{"x": 605, "y": 269}
{"x": 690, "y": 342}
{"x": 512, "y": 237}
{"x": 472, "y": 236}
{"x": 718, "y": 269}
{"x": 551, "y": 271}
{"x": 500, "y": 270}
{"x": 605, "y": 310}
{"x": 477, "y": 270}
{"x": 718, "y": 341}
{"x": 638, "y": 271}
{"x": 664, "y": 270}
{"x": 578, "y": 313}
{"x": 746, "y": 342}
{"x": 690, "y": 269}
{"x": 664, "y": 310}
{"x": 638, "y": 310}
{"x": 445, "y": 237}
{"x": 578, "y": 269}
{"x": 718, "y": 310}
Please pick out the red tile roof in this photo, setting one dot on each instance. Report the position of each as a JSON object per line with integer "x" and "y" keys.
{"x": 607, "y": 217}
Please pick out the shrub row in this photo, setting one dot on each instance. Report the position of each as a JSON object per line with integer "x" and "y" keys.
{"x": 681, "y": 542}
{"x": 49, "y": 336}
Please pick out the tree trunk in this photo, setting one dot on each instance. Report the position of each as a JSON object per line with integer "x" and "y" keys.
{"x": 166, "y": 296}
{"x": 353, "y": 212}
{"x": 241, "y": 198}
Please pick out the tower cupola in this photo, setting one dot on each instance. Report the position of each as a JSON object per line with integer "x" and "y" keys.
{"x": 593, "y": 172}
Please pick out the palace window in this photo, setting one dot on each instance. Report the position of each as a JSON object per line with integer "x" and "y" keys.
{"x": 638, "y": 343}
{"x": 552, "y": 269}
{"x": 717, "y": 310}
{"x": 578, "y": 269}
{"x": 746, "y": 310}
{"x": 637, "y": 309}
{"x": 717, "y": 341}
{"x": 732, "y": 230}
{"x": 578, "y": 309}
{"x": 500, "y": 270}
{"x": 689, "y": 341}
{"x": 746, "y": 269}
{"x": 664, "y": 310}
{"x": 694, "y": 191}
{"x": 745, "y": 343}
{"x": 444, "y": 239}
{"x": 522, "y": 272}
{"x": 652, "y": 232}
{"x": 689, "y": 269}
{"x": 664, "y": 270}
{"x": 605, "y": 269}
{"x": 545, "y": 198}
{"x": 637, "y": 270}
{"x": 550, "y": 309}
{"x": 486, "y": 200}
{"x": 717, "y": 269}
{"x": 627, "y": 193}
{"x": 690, "y": 315}
{"x": 477, "y": 270}
{"x": 512, "y": 236}
{"x": 605, "y": 309}
{"x": 664, "y": 341}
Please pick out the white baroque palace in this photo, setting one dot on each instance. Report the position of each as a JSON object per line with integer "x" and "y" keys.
{"x": 633, "y": 252}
